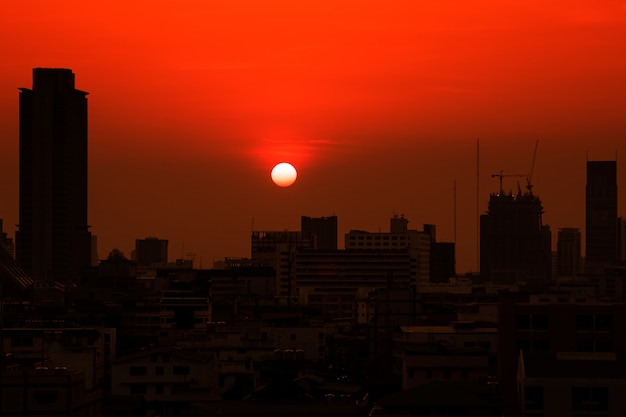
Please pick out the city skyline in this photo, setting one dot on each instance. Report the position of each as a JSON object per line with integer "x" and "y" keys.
{"x": 380, "y": 114}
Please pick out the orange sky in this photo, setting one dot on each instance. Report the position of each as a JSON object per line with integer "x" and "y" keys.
{"x": 378, "y": 105}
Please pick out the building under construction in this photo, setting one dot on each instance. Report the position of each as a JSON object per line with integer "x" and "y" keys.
{"x": 515, "y": 246}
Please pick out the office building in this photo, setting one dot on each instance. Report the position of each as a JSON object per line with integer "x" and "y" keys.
{"x": 568, "y": 252}
{"x": 267, "y": 245}
{"x": 601, "y": 216}
{"x": 417, "y": 242}
{"x": 53, "y": 241}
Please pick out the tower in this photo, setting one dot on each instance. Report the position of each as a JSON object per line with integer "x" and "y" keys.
{"x": 569, "y": 259}
{"x": 53, "y": 241}
{"x": 514, "y": 244}
{"x": 601, "y": 216}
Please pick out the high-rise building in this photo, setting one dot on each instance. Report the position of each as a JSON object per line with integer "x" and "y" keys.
{"x": 514, "y": 244}
{"x": 601, "y": 216}
{"x": 621, "y": 239}
{"x": 150, "y": 251}
{"x": 324, "y": 230}
{"x": 53, "y": 241}
{"x": 568, "y": 252}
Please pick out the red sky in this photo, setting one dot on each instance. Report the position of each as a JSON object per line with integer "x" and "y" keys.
{"x": 378, "y": 104}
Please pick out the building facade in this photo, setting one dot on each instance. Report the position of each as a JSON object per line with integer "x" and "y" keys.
{"x": 324, "y": 230}
{"x": 568, "y": 252}
{"x": 53, "y": 241}
{"x": 601, "y": 216}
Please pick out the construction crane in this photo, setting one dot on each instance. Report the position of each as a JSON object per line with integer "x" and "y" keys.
{"x": 502, "y": 175}
{"x": 529, "y": 180}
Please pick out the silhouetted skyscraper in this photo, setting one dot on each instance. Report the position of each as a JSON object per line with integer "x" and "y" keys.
{"x": 514, "y": 244}
{"x": 621, "y": 239}
{"x": 568, "y": 252}
{"x": 324, "y": 229}
{"x": 601, "y": 216}
{"x": 53, "y": 241}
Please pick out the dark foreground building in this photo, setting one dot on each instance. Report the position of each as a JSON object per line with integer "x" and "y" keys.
{"x": 53, "y": 241}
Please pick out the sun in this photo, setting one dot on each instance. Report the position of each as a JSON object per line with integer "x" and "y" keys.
{"x": 284, "y": 174}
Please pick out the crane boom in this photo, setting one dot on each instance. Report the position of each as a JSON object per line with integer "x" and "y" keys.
{"x": 501, "y": 175}
{"x": 529, "y": 180}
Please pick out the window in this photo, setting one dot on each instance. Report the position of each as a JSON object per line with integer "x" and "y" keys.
{"x": 46, "y": 397}
{"x": 590, "y": 399}
{"x": 603, "y": 323}
{"x": 522, "y": 322}
{"x": 539, "y": 321}
{"x": 446, "y": 374}
{"x": 166, "y": 357}
{"x": 138, "y": 370}
{"x": 137, "y": 389}
{"x": 181, "y": 370}
{"x": 159, "y": 370}
{"x": 594, "y": 323}
{"x": 531, "y": 322}
{"x": 21, "y": 341}
{"x": 292, "y": 337}
{"x": 534, "y": 398}
{"x": 153, "y": 357}
{"x": 158, "y": 389}
{"x": 584, "y": 322}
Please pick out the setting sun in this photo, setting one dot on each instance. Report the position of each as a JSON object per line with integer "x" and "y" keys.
{"x": 284, "y": 174}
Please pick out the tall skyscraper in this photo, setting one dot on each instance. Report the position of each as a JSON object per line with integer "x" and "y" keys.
{"x": 568, "y": 252}
{"x": 514, "y": 244}
{"x": 601, "y": 216}
{"x": 53, "y": 241}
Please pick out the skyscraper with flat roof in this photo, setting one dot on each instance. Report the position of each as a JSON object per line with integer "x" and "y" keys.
{"x": 601, "y": 216}
{"x": 53, "y": 241}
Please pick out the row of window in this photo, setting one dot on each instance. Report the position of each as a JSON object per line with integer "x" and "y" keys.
{"x": 378, "y": 237}
{"x": 429, "y": 373}
{"x": 543, "y": 345}
{"x": 584, "y": 322}
{"x": 583, "y": 399}
{"x": 158, "y": 370}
